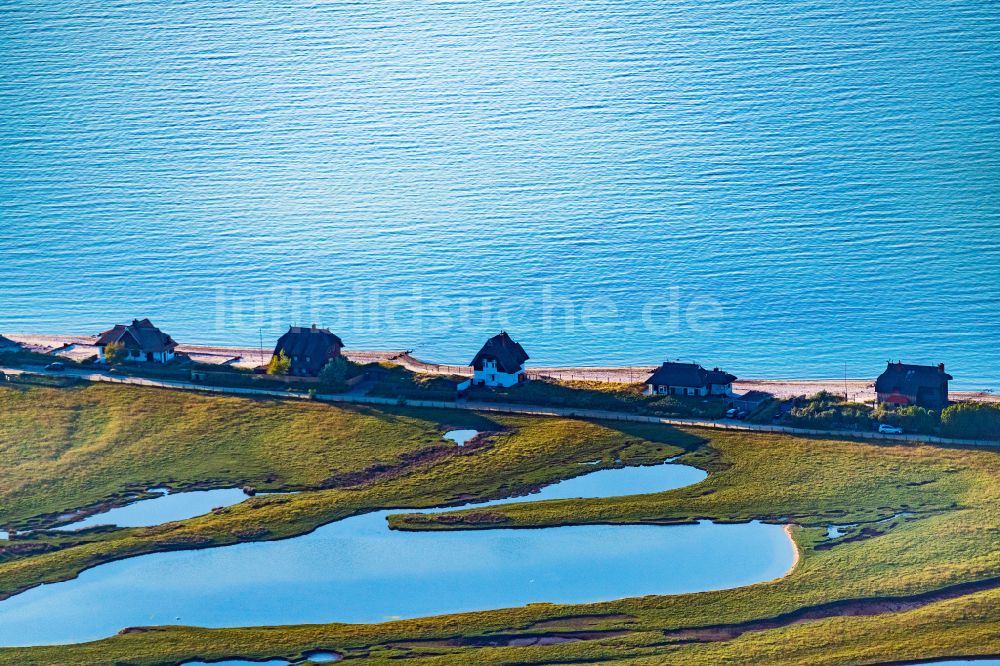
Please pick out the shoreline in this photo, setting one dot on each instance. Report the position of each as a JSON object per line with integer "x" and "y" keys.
{"x": 795, "y": 547}
{"x": 79, "y": 347}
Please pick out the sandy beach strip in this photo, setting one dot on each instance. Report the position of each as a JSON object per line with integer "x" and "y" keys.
{"x": 80, "y": 347}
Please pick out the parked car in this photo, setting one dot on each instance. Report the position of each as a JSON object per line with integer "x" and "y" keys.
{"x": 57, "y": 366}
{"x": 731, "y": 413}
{"x": 742, "y": 414}
{"x": 887, "y": 429}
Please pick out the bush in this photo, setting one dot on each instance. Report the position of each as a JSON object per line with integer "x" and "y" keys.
{"x": 114, "y": 352}
{"x": 911, "y": 419}
{"x": 971, "y": 420}
{"x": 279, "y": 365}
{"x": 393, "y": 381}
{"x": 334, "y": 375}
{"x": 828, "y": 412}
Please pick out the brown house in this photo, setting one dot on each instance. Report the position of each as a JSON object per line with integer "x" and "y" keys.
{"x": 903, "y": 384}
{"x": 689, "y": 379}
{"x": 308, "y": 349}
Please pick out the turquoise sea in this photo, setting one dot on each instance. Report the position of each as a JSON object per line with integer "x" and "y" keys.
{"x": 781, "y": 188}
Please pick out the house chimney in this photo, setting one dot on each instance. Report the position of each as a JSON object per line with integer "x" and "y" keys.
{"x": 314, "y": 327}
{"x": 941, "y": 367}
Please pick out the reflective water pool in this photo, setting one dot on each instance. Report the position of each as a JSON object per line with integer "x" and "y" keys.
{"x": 163, "y": 509}
{"x": 460, "y": 437}
{"x": 357, "y": 570}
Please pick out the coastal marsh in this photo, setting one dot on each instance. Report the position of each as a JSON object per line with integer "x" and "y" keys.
{"x": 947, "y": 543}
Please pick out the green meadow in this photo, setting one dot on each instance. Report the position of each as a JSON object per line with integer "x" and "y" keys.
{"x": 918, "y": 577}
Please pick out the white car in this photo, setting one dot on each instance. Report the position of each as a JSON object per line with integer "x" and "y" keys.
{"x": 887, "y": 429}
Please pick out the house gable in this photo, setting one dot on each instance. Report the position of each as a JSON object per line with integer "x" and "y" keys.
{"x": 902, "y": 384}
{"x": 506, "y": 355}
{"x": 308, "y": 348}
{"x": 688, "y": 376}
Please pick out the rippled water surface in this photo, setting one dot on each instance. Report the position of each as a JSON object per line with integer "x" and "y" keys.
{"x": 777, "y": 187}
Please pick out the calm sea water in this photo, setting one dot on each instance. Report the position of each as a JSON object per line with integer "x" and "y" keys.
{"x": 782, "y": 188}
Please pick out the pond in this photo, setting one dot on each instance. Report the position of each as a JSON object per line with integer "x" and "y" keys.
{"x": 357, "y": 570}
{"x": 163, "y": 509}
{"x": 317, "y": 657}
{"x": 461, "y": 437}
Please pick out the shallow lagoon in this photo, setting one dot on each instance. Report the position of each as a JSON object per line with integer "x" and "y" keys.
{"x": 357, "y": 570}
{"x": 163, "y": 509}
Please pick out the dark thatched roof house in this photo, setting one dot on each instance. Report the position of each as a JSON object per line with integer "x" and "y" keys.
{"x": 308, "y": 349}
{"x": 499, "y": 363}
{"x": 903, "y": 384}
{"x": 140, "y": 340}
{"x": 689, "y": 379}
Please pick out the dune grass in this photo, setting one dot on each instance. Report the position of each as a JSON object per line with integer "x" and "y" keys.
{"x": 951, "y": 538}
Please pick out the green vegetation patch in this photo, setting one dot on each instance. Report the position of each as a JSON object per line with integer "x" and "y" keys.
{"x": 928, "y": 522}
{"x": 82, "y": 447}
{"x": 602, "y": 395}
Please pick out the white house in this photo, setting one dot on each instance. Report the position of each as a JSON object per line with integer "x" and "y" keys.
{"x": 689, "y": 379}
{"x": 499, "y": 363}
{"x": 140, "y": 341}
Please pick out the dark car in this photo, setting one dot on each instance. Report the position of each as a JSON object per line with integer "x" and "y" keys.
{"x": 57, "y": 366}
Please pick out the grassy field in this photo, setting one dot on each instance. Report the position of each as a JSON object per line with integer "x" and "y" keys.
{"x": 65, "y": 449}
{"x": 90, "y": 446}
{"x": 949, "y": 538}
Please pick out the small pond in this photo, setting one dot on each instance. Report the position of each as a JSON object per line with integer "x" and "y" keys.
{"x": 357, "y": 570}
{"x": 163, "y": 509}
{"x": 238, "y": 662}
{"x": 461, "y": 437}
{"x": 317, "y": 656}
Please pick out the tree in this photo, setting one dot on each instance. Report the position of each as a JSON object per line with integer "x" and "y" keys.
{"x": 335, "y": 373}
{"x": 114, "y": 352}
{"x": 280, "y": 364}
